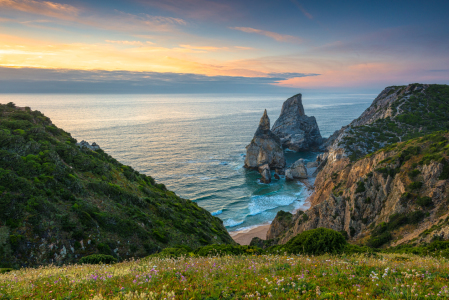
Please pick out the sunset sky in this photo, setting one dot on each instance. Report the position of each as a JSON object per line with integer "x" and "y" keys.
{"x": 172, "y": 45}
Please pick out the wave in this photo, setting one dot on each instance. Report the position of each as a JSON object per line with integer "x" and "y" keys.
{"x": 207, "y": 178}
{"x": 232, "y": 223}
{"x": 216, "y": 213}
{"x": 260, "y": 204}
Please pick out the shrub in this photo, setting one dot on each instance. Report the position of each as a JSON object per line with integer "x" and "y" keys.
{"x": 360, "y": 187}
{"x": 227, "y": 250}
{"x": 96, "y": 259}
{"x": 316, "y": 241}
{"x": 178, "y": 251}
{"x": 424, "y": 201}
{"x": 416, "y": 185}
{"x": 5, "y": 270}
{"x": 379, "y": 240}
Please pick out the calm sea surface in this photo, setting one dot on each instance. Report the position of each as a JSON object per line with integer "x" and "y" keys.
{"x": 194, "y": 144}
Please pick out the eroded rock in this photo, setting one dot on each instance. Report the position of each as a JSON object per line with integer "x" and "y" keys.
{"x": 297, "y": 131}
{"x": 265, "y": 148}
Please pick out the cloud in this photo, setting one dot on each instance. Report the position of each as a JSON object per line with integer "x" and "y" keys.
{"x": 35, "y": 80}
{"x": 301, "y": 8}
{"x": 276, "y": 36}
{"x": 131, "y": 43}
{"x": 196, "y": 9}
{"x": 244, "y": 48}
{"x": 206, "y": 48}
{"x": 117, "y": 21}
{"x": 46, "y": 8}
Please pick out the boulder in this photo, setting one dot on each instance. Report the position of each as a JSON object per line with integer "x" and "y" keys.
{"x": 266, "y": 173}
{"x": 296, "y": 171}
{"x": 288, "y": 175}
{"x": 312, "y": 164}
{"x": 265, "y": 148}
{"x": 297, "y": 131}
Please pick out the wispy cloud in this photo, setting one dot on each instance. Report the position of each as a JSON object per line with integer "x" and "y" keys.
{"x": 302, "y": 9}
{"x": 276, "y": 36}
{"x": 46, "y": 8}
{"x": 131, "y": 43}
{"x": 196, "y": 9}
{"x": 68, "y": 14}
{"x": 205, "y": 48}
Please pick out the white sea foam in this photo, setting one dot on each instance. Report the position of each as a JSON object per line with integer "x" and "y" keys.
{"x": 232, "y": 223}
{"x": 215, "y": 213}
{"x": 259, "y": 204}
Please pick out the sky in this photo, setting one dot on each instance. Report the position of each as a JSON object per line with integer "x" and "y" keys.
{"x": 182, "y": 46}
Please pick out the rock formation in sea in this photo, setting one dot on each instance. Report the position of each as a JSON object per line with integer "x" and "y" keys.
{"x": 384, "y": 179}
{"x": 297, "y": 131}
{"x": 265, "y": 152}
{"x": 296, "y": 171}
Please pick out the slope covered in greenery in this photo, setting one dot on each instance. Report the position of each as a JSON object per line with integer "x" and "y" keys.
{"x": 60, "y": 202}
{"x": 398, "y": 114}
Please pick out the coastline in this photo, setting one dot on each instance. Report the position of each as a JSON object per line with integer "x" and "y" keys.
{"x": 244, "y": 236}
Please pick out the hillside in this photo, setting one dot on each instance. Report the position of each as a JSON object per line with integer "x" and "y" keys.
{"x": 398, "y": 113}
{"x": 60, "y": 200}
{"x": 379, "y": 183}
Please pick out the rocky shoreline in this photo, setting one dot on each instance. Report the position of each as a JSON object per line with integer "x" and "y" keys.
{"x": 393, "y": 196}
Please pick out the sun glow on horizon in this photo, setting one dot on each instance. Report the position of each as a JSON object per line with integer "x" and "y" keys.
{"x": 151, "y": 37}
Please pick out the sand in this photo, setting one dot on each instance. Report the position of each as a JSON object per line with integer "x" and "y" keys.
{"x": 244, "y": 237}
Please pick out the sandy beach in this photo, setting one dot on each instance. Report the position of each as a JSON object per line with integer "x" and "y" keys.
{"x": 244, "y": 237}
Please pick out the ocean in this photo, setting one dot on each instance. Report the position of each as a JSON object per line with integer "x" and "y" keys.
{"x": 195, "y": 143}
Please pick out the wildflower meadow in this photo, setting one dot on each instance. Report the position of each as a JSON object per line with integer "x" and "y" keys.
{"x": 385, "y": 276}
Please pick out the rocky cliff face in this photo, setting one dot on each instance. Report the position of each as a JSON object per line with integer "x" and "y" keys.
{"x": 396, "y": 195}
{"x": 297, "y": 131}
{"x": 265, "y": 148}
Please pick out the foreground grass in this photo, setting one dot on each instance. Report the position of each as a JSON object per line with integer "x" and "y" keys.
{"x": 389, "y": 276}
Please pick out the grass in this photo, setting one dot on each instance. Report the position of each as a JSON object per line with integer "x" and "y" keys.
{"x": 385, "y": 276}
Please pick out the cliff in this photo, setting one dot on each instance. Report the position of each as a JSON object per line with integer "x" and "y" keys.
{"x": 394, "y": 195}
{"x": 60, "y": 200}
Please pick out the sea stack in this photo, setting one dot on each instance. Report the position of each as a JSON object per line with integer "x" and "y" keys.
{"x": 297, "y": 131}
{"x": 265, "y": 151}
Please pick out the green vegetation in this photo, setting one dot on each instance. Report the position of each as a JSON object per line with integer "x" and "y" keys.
{"x": 60, "y": 202}
{"x": 96, "y": 259}
{"x": 316, "y": 241}
{"x": 382, "y": 232}
{"x": 414, "y": 113}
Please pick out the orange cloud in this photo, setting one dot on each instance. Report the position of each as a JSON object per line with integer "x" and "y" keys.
{"x": 20, "y": 52}
{"x": 276, "y": 36}
{"x": 120, "y": 21}
{"x": 46, "y": 8}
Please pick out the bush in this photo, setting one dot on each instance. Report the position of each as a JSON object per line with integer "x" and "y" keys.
{"x": 174, "y": 252}
{"x": 360, "y": 187}
{"x": 424, "y": 201}
{"x": 316, "y": 241}
{"x": 5, "y": 270}
{"x": 379, "y": 240}
{"x": 96, "y": 259}
{"x": 416, "y": 185}
{"x": 227, "y": 250}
